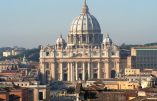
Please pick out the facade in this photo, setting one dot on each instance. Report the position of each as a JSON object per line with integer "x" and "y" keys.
{"x": 85, "y": 55}
{"x": 143, "y": 58}
{"x": 16, "y": 94}
{"x": 23, "y": 67}
{"x": 143, "y": 80}
{"x": 13, "y": 52}
{"x": 129, "y": 71}
{"x": 114, "y": 84}
{"x": 98, "y": 93}
{"x": 39, "y": 92}
{"x": 9, "y": 65}
{"x": 146, "y": 94}
{"x": 6, "y": 53}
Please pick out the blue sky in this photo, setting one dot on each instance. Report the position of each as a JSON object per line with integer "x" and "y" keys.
{"x": 30, "y": 23}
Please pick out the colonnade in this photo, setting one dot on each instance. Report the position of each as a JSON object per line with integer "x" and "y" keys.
{"x": 75, "y": 70}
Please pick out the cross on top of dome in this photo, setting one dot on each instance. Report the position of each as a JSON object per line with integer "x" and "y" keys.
{"x": 85, "y": 9}
{"x": 85, "y": 2}
{"x": 60, "y": 35}
{"x": 107, "y": 35}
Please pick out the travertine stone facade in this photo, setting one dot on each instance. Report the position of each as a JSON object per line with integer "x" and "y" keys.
{"x": 84, "y": 56}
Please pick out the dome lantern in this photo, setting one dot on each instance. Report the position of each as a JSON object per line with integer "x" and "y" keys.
{"x": 85, "y": 8}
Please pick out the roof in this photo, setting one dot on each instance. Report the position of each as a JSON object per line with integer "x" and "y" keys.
{"x": 111, "y": 79}
{"x": 2, "y": 99}
{"x": 152, "y": 90}
{"x": 144, "y": 98}
{"x": 145, "y": 47}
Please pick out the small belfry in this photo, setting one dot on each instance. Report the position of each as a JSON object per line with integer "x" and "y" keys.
{"x": 24, "y": 60}
{"x": 85, "y": 55}
{"x": 107, "y": 40}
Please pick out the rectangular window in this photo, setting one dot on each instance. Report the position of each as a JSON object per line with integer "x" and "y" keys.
{"x": 40, "y": 95}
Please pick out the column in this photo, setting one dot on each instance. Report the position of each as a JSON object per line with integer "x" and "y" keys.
{"x": 36, "y": 94}
{"x": 61, "y": 71}
{"x": 87, "y": 39}
{"x": 42, "y": 71}
{"x": 83, "y": 71}
{"x": 80, "y": 39}
{"x": 93, "y": 38}
{"x": 44, "y": 93}
{"x": 117, "y": 67}
{"x": 89, "y": 71}
{"x": 69, "y": 72}
{"x": 76, "y": 71}
{"x": 53, "y": 71}
{"x": 72, "y": 72}
{"x": 107, "y": 69}
{"x": 99, "y": 70}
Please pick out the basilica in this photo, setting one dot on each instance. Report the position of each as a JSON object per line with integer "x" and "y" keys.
{"x": 86, "y": 54}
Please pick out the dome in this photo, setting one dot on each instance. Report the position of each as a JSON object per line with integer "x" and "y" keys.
{"x": 107, "y": 40}
{"x": 85, "y": 23}
{"x": 85, "y": 29}
{"x": 60, "y": 40}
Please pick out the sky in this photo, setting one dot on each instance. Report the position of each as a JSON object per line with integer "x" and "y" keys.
{"x": 29, "y": 23}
